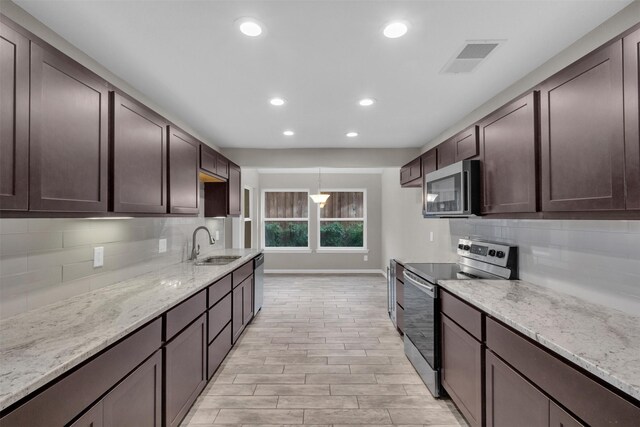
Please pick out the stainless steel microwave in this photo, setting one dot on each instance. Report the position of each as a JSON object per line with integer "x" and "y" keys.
{"x": 452, "y": 191}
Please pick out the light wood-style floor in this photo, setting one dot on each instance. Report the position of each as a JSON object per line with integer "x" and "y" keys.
{"x": 321, "y": 352}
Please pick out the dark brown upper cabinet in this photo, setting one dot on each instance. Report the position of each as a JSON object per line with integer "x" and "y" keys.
{"x": 429, "y": 161}
{"x": 209, "y": 160}
{"x": 461, "y": 146}
{"x": 411, "y": 173}
{"x": 223, "y": 166}
{"x": 235, "y": 190}
{"x": 139, "y": 158}
{"x": 14, "y": 120}
{"x": 183, "y": 172}
{"x": 582, "y": 135}
{"x": 69, "y": 135}
{"x": 508, "y": 140}
{"x": 631, "y": 45}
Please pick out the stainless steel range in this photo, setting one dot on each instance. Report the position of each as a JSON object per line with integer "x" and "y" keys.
{"x": 477, "y": 259}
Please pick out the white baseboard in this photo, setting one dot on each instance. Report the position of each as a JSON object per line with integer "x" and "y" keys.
{"x": 344, "y": 271}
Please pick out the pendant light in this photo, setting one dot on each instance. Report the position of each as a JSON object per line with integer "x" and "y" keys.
{"x": 319, "y": 198}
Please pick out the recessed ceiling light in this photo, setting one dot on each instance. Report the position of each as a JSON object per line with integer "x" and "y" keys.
{"x": 288, "y": 133}
{"x": 352, "y": 134}
{"x": 276, "y": 101}
{"x": 249, "y": 27}
{"x": 366, "y": 102}
{"x": 396, "y": 29}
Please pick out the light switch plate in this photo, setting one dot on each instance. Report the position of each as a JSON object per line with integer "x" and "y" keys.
{"x": 366, "y": 257}
{"x": 217, "y": 235}
{"x": 98, "y": 256}
{"x": 162, "y": 246}
{"x": 431, "y": 236}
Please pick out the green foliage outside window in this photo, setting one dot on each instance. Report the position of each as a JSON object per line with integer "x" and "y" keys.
{"x": 286, "y": 234}
{"x": 348, "y": 234}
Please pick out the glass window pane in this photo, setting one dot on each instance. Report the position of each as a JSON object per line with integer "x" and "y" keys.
{"x": 343, "y": 204}
{"x": 348, "y": 234}
{"x": 286, "y": 204}
{"x": 286, "y": 234}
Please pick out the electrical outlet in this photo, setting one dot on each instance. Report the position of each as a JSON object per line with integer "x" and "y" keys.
{"x": 98, "y": 256}
{"x": 217, "y": 235}
{"x": 162, "y": 246}
{"x": 366, "y": 257}
{"x": 431, "y": 236}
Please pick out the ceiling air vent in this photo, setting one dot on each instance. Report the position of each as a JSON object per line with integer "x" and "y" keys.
{"x": 470, "y": 56}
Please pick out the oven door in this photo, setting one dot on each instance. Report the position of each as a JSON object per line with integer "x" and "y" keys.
{"x": 421, "y": 329}
{"x": 452, "y": 190}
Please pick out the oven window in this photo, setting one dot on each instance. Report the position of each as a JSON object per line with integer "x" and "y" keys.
{"x": 420, "y": 322}
{"x": 445, "y": 194}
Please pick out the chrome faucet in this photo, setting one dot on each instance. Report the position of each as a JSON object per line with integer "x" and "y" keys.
{"x": 195, "y": 250}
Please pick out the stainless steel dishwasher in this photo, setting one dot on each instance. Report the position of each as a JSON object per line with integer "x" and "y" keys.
{"x": 258, "y": 278}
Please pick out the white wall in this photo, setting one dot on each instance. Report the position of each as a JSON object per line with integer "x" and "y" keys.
{"x": 405, "y": 233}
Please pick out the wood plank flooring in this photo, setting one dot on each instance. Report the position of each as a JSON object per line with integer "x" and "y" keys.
{"x": 322, "y": 351}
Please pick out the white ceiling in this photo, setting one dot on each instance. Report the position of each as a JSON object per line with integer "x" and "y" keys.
{"x": 322, "y": 57}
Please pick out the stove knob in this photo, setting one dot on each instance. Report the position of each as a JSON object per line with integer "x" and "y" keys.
{"x": 466, "y": 247}
{"x": 460, "y": 246}
{"x": 500, "y": 254}
{"x": 492, "y": 252}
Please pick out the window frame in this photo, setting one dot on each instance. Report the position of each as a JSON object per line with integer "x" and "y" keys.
{"x": 263, "y": 221}
{"x": 341, "y": 249}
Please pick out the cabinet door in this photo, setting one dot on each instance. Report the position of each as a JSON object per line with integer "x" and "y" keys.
{"x": 185, "y": 370}
{"x": 139, "y": 158}
{"x": 247, "y": 294}
{"x": 462, "y": 370}
{"x": 69, "y": 146}
{"x": 558, "y": 417}
{"x": 91, "y": 418}
{"x": 466, "y": 144}
{"x": 183, "y": 172}
{"x": 410, "y": 173}
{"x": 237, "y": 318}
{"x": 446, "y": 153}
{"x": 582, "y": 135}
{"x": 429, "y": 161}
{"x": 136, "y": 401}
{"x": 511, "y": 400}
{"x": 208, "y": 159}
{"x": 235, "y": 190}
{"x": 632, "y": 117}
{"x": 14, "y": 120}
{"x": 222, "y": 166}
{"x": 508, "y": 140}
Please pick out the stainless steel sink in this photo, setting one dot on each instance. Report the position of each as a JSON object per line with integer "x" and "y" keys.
{"x": 217, "y": 260}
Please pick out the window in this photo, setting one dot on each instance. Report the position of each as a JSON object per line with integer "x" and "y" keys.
{"x": 286, "y": 219}
{"x": 343, "y": 220}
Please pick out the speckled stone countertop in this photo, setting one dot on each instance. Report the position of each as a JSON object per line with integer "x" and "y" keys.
{"x": 604, "y": 341}
{"x": 40, "y": 345}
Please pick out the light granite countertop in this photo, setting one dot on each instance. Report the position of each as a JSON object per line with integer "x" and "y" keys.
{"x": 40, "y": 345}
{"x": 604, "y": 341}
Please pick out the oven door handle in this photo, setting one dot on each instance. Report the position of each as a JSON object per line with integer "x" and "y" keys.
{"x": 412, "y": 279}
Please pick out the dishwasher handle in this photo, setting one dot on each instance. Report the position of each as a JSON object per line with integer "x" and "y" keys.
{"x": 417, "y": 282}
{"x": 259, "y": 260}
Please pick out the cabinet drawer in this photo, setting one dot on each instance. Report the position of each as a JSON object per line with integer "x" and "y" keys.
{"x": 219, "y": 316}
{"x": 463, "y": 314}
{"x": 242, "y": 273}
{"x": 218, "y": 349}
{"x": 219, "y": 289}
{"x": 400, "y": 318}
{"x": 61, "y": 402}
{"x": 574, "y": 390}
{"x": 186, "y": 312}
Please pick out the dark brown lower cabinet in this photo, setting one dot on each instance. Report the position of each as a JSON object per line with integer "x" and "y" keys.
{"x": 91, "y": 418}
{"x": 219, "y": 316}
{"x": 462, "y": 370}
{"x": 218, "y": 349}
{"x": 185, "y": 370}
{"x": 237, "y": 318}
{"x": 137, "y": 400}
{"x": 511, "y": 400}
{"x": 558, "y": 417}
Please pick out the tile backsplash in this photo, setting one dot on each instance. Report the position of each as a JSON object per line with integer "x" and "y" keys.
{"x": 45, "y": 260}
{"x": 594, "y": 260}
